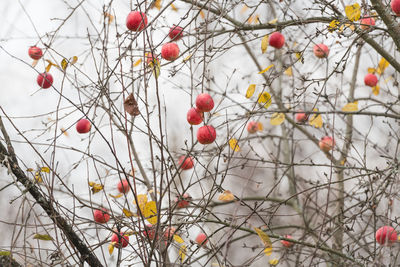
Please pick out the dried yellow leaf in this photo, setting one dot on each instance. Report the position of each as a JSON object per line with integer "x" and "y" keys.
{"x": 289, "y": 72}
{"x": 29, "y": 170}
{"x": 375, "y": 90}
{"x": 273, "y": 262}
{"x": 64, "y": 64}
{"x": 74, "y": 60}
{"x": 274, "y": 21}
{"x": 266, "y": 69}
{"x": 202, "y": 15}
{"x": 150, "y": 212}
{"x": 353, "y": 12}
{"x": 266, "y": 241}
{"x": 383, "y": 64}
{"x": 233, "y": 144}
{"x": 226, "y": 196}
{"x": 187, "y": 58}
{"x": 264, "y": 43}
{"x": 264, "y": 98}
{"x": 257, "y": 19}
{"x": 277, "y": 118}
{"x": 38, "y": 177}
{"x": 178, "y": 239}
{"x": 260, "y": 126}
{"x": 300, "y": 57}
{"x": 250, "y": 91}
{"x": 250, "y": 19}
{"x": 111, "y": 248}
{"x": 157, "y": 4}
{"x": 95, "y": 187}
{"x": 42, "y": 237}
{"x": 48, "y": 67}
{"x": 142, "y": 200}
{"x": 109, "y": 16}
{"x": 128, "y": 213}
{"x": 65, "y": 132}
{"x": 349, "y": 107}
{"x": 34, "y": 63}
{"x": 333, "y": 25}
{"x": 116, "y": 196}
{"x": 137, "y": 62}
{"x": 371, "y": 70}
{"x": 174, "y": 7}
{"x": 244, "y": 9}
{"x": 45, "y": 169}
{"x": 5, "y": 253}
{"x": 182, "y": 252}
{"x": 316, "y": 120}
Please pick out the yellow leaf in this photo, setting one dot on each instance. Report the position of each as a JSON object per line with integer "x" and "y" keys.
{"x": 260, "y": 127}
{"x": 174, "y": 7}
{"x": 244, "y": 9}
{"x": 273, "y": 262}
{"x": 300, "y": 57}
{"x": 142, "y": 200}
{"x": 349, "y": 107}
{"x": 375, "y": 90}
{"x": 277, "y": 118}
{"x": 341, "y": 28}
{"x": 316, "y": 120}
{"x": 128, "y": 213}
{"x": 64, "y": 64}
{"x": 387, "y": 79}
{"x": 157, "y": 4}
{"x": 182, "y": 252}
{"x": 116, "y": 196}
{"x": 266, "y": 241}
{"x": 48, "y": 67}
{"x": 34, "y": 63}
{"x": 45, "y": 169}
{"x": 29, "y": 170}
{"x": 250, "y": 91}
{"x": 202, "y": 15}
{"x": 226, "y": 196}
{"x": 150, "y": 212}
{"x": 274, "y": 21}
{"x": 383, "y": 64}
{"x": 187, "y": 58}
{"x": 266, "y": 69}
{"x": 264, "y": 43}
{"x": 264, "y": 98}
{"x": 95, "y": 187}
{"x": 38, "y": 177}
{"x": 42, "y": 237}
{"x": 250, "y": 19}
{"x": 64, "y": 131}
{"x": 137, "y": 62}
{"x": 5, "y": 253}
{"x": 353, "y": 12}
{"x": 156, "y": 69}
{"x": 74, "y": 60}
{"x": 233, "y": 144}
{"x": 111, "y": 248}
{"x": 333, "y": 25}
{"x": 371, "y": 70}
{"x": 178, "y": 239}
{"x": 109, "y": 16}
{"x": 256, "y": 19}
{"x": 289, "y": 71}
{"x": 343, "y": 161}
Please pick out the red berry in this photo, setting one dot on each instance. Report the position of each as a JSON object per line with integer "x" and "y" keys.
{"x": 395, "y": 5}
{"x": 386, "y": 235}
{"x": 276, "y": 40}
{"x": 321, "y": 50}
{"x": 175, "y": 33}
{"x": 136, "y": 21}
{"x": 285, "y": 243}
{"x": 206, "y": 134}
{"x": 83, "y": 126}
{"x": 101, "y": 216}
{"x": 301, "y": 117}
{"x": 44, "y": 80}
{"x": 123, "y": 186}
{"x": 194, "y": 116}
{"x": 204, "y": 102}
{"x": 187, "y": 164}
{"x": 370, "y": 80}
{"x": 35, "y": 52}
{"x": 326, "y": 143}
{"x": 183, "y": 201}
{"x": 201, "y": 239}
{"x": 170, "y": 51}
{"x": 120, "y": 240}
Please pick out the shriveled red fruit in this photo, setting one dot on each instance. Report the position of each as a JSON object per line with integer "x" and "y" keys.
{"x": 149, "y": 231}
{"x": 183, "y": 201}
{"x": 370, "y": 80}
{"x": 301, "y": 117}
{"x": 136, "y": 21}
{"x": 186, "y": 164}
{"x": 175, "y": 33}
{"x": 170, "y": 51}
{"x": 204, "y": 102}
{"x": 123, "y": 186}
{"x": 101, "y": 216}
{"x": 395, "y": 5}
{"x": 206, "y": 134}
{"x": 321, "y": 51}
{"x": 285, "y": 243}
{"x": 83, "y": 126}
{"x": 35, "y": 52}
{"x": 44, "y": 80}
{"x": 194, "y": 116}
{"x": 366, "y": 22}
{"x": 121, "y": 240}
{"x": 252, "y": 126}
{"x": 276, "y": 40}
{"x": 386, "y": 235}
{"x": 326, "y": 143}
{"x": 201, "y": 239}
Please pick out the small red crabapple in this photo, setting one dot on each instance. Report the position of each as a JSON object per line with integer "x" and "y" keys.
{"x": 276, "y": 40}
{"x": 83, "y": 126}
{"x": 120, "y": 240}
{"x": 183, "y": 201}
{"x": 285, "y": 243}
{"x": 170, "y": 51}
{"x": 321, "y": 51}
{"x": 136, "y": 21}
{"x": 175, "y": 33}
{"x": 326, "y": 143}
{"x": 123, "y": 186}
{"x": 201, "y": 239}
{"x": 194, "y": 116}
{"x": 186, "y": 164}
{"x": 101, "y": 216}
{"x": 370, "y": 80}
{"x": 44, "y": 80}
{"x": 206, "y": 134}
{"x": 301, "y": 117}
{"x": 35, "y": 52}
{"x": 204, "y": 102}
{"x": 386, "y": 235}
